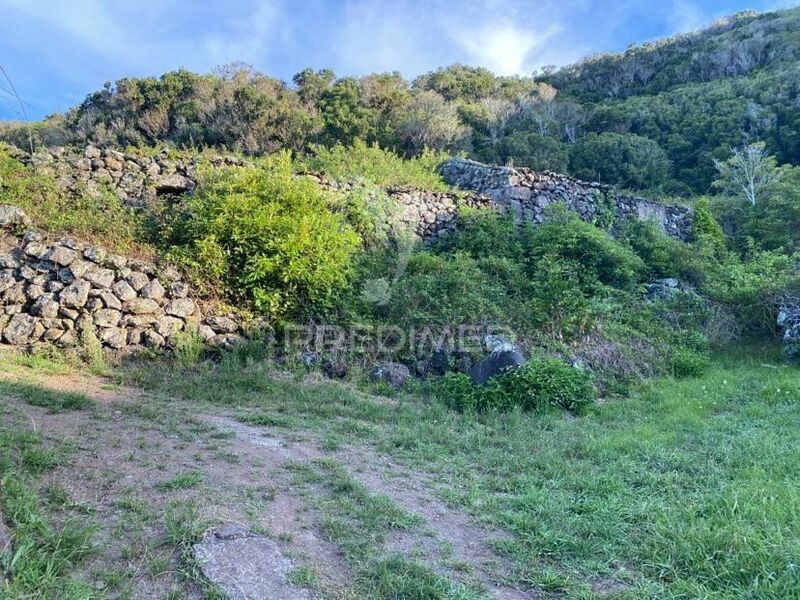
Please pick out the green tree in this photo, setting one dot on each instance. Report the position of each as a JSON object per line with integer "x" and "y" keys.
{"x": 627, "y": 160}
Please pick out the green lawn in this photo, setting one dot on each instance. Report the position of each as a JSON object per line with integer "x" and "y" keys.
{"x": 688, "y": 489}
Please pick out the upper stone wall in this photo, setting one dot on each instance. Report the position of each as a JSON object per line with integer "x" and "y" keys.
{"x": 527, "y": 193}
{"x": 136, "y": 180}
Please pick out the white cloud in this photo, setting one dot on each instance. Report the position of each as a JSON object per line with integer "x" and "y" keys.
{"x": 503, "y": 47}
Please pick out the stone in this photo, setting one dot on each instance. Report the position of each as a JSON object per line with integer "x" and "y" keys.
{"x": 53, "y": 335}
{"x": 76, "y": 294}
{"x": 174, "y": 184}
{"x": 137, "y": 280}
{"x": 7, "y": 279}
{"x": 138, "y": 320}
{"x": 100, "y": 277}
{"x": 440, "y": 361}
{"x": 123, "y": 291}
{"x": 153, "y": 339}
{"x": 45, "y": 306}
{"x": 95, "y": 254}
{"x": 15, "y": 294}
{"x": 107, "y": 317}
{"x": 206, "y": 333}
{"x": 94, "y": 304}
{"x": 68, "y": 313}
{"x": 12, "y": 216}
{"x": 114, "y": 337}
{"x": 33, "y": 291}
{"x": 36, "y": 250}
{"x": 498, "y": 361}
{"x": 226, "y": 341}
{"x": 67, "y": 340}
{"x": 178, "y": 290}
{"x": 142, "y": 306}
{"x": 19, "y": 329}
{"x": 78, "y": 269}
{"x": 184, "y": 307}
{"x": 110, "y": 300}
{"x": 115, "y": 261}
{"x": 395, "y": 374}
{"x": 168, "y": 326}
{"x": 222, "y": 324}
{"x": 153, "y": 290}
{"x": 245, "y": 566}
{"x": 61, "y": 256}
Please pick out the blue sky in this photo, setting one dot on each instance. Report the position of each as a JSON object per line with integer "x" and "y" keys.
{"x": 57, "y": 51}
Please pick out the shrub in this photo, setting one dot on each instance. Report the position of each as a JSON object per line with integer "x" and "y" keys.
{"x": 597, "y": 258}
{"x": 688, "y": 363}
{"x": 663, "y": 256}
{"x": 484, "y": 233}
{"x": 540, "y": 384}
{"x": 270, "y": 239}
{"x": 381, "y": 167}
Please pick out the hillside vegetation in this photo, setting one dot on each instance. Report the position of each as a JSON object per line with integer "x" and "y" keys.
{"x": 652, "y": 118}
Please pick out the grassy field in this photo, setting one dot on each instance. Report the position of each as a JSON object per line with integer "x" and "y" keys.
{"x": 689, "y": 489}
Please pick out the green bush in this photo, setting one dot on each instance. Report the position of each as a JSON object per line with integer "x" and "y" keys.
{"x": 688, "y": 363}
{"x": 663, "y": 256}
{"x": 484, "y": 233}
{"x": 540, "y": 384}
{"x": 595, "y": 257}
{"x": 381, "y": 167}
{"x": 269, "y": 238}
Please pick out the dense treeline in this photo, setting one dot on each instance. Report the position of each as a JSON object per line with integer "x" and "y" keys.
{"x": 654, "y": 118}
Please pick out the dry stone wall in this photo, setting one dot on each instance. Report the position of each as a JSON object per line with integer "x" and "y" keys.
{"x": 54, "y": 292}
{"x": 528, "y": 193}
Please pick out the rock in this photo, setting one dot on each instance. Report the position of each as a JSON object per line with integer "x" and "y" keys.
{"x": 99, "y": 277}
{"x": 61, "y": 256}
{"x": 75, "y": 295}
{"x": 205, "y": 332}
{"x": 226, "y": 341}
{"x": 309, "y": 359}
{"x": 12, "y": 216}
{"x": 36, "y": 250}
{"x": 495, "y": 363}
{"x": 107, "y": 317}
{"x": 153, "y": 290}
{"x": 142, "y": 306}
{"x": 110, "y": 300}
{"x": 114, "y": 337}
{"x": 152, "y": 339}
{"x": 178, "y": 290}
{"x": 95, "y": 254}
{"x": 222, "y": 324}
{"x": 137, "y": 280}
{"x": 7, "y": 279}
{"x": 19, "y": 329}
{"x": 123, "y": 291}
{"x": 174, "y": 184}
{"x": 245, "y": 566}
{"x": 168, "y": 326}
{"x": 183, "y": 307}
{"x": 440, "y": 361}
{"x": 78, "y": 269}
{"x": 45, "y": 306}
{"x": 395, "y": 374}
{"x": 335, "y": 369}
{"x": 15, "y": 294}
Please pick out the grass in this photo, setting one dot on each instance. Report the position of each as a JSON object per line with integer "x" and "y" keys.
{"x": 54, "y": 400}
{"x": 688, "y": 489}
{"x": 182, "y": 481}
{"x": 41, "y": 556}
{"x": 359, "y": 523}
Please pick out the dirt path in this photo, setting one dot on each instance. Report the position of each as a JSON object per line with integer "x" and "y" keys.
{"x": 138, "y": 465}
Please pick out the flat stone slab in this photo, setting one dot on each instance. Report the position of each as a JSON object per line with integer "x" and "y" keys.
{"x": 246, "y": 566}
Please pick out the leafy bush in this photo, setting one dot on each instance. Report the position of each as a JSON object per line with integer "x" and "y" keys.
{"x": 270, "y": 238}
{"x": 595, "y": 257}
{"x": 483, "y": 233}
{"x": 381, "y": 167}
{"x": 540, "y": 384}
{"x": 663, "y": 255}
{"x": 686, "y": 362}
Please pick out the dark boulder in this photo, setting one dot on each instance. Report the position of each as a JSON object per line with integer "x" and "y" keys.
{"x": 503, "y": 357}
{"x": 395, "y": 374}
